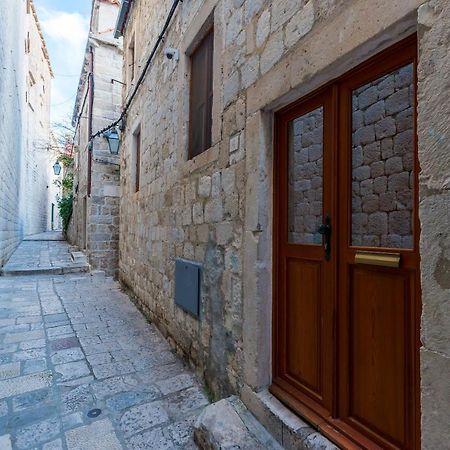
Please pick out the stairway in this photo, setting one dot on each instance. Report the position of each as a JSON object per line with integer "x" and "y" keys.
{"x": 45, "y": 254}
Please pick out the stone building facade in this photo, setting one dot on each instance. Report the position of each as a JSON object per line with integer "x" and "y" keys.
{"x": 37, "y": 159}
{"x": 217, "y": 208}
{"x": 12, "y": 81}
{"x": 95, "y": 220}
{"x": 24, "y": 126}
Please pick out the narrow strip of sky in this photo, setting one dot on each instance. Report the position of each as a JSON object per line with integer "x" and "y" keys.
{"x": 65, "y": 24}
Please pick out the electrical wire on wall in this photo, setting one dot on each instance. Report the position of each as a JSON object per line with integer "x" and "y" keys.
{"x": 144, "y": 72}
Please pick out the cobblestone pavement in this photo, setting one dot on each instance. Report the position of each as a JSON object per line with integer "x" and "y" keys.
{"x": 81, "y": 369}
{"x": 43, "y": 255}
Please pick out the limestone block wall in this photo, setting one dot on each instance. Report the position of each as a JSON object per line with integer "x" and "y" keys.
{"x": 382, "y": 160}
{"x": 434, "y": 144}
{"x": 12, "y": 102}
{"x": 305, "y": 191}
{"x": 217, "y": 208}
{"x": 198, "y": 209}
{"x": 35, "y": 179}
{"x": 95, "y": 221}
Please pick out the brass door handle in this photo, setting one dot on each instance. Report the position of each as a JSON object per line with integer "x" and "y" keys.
{"x": 378, "y": 259}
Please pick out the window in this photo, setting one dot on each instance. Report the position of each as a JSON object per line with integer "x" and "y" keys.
{"x": 136, "y": 164}
{"x": 32, "y": 81}
{"x": 131, "y": 60}
{"x": 27, "y": 43}
{"x": 201, "y": 96}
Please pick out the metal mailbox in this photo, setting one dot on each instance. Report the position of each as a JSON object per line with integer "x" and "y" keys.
{"x": 187, "y": 285}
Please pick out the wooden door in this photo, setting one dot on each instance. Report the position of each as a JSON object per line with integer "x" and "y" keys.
{"x": 305, "y": 279}
{"x": 346, "y": 318}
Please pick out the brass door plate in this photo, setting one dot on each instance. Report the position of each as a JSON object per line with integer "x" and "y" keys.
{"x": 378, "y": 259}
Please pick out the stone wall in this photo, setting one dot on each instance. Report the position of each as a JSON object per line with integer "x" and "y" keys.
{"x": 24, "y": 128}
{"x": 196, "y": 209}
{"x": 305, "y": 191}
{"x": 95, "y": 221}
{"x": 434, "y": 213}
{"x": 383, "y": 158}
{"x": 217, "y": 208}
{"x": 12, "y": 89}
{"x": 36, "y": 158}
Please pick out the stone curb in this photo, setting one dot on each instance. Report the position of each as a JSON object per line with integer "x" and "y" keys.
{"x": 46, "y": 271}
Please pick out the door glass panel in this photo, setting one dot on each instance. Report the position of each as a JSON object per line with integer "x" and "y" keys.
{"x": 305, "y": 178}
{"x": 383, "y": 160}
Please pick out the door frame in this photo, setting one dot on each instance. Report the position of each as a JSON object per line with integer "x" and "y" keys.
{"x": 329, "y": 424}
{"x": 326, "y": 97}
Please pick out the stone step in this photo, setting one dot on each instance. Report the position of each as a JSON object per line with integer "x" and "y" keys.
{"x": 45, "y": 236}
{"x": 286, "y": 427}
{"x": 228, "y": 424}
{"x": 98, "y": 273}
{"x": 79, "y": 257}
{"x": 72, "y": 268}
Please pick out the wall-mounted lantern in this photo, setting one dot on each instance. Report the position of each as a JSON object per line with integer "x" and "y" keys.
{"x": 57, "y": 168}
{"x": 113, "y": 138}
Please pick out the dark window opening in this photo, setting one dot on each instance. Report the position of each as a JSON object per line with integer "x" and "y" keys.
{"x": 132, "y": 60}
{"x": 201, "y": 96}
{"x": 137, "y": 159}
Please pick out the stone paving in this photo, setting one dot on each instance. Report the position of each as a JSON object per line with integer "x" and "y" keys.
{"x": 47, "y": 255}
{"x": 46, "y": 236}
{"x": 81, "y": 369}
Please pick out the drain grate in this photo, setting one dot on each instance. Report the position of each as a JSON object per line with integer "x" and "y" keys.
{"x": 94, "y": 412}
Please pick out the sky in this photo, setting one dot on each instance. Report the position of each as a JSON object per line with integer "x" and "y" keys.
{"x": 65, "y": 24}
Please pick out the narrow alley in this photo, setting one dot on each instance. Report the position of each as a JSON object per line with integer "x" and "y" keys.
{"x": 80, "y": 366}
{"x": 224, "y": 225}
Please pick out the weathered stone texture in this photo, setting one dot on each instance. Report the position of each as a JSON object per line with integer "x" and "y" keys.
{"x": 95, "y": 220}
{"x": 36, "y": 159}
{"x": 217, "y": 208}
{"x": 305, "y": 206}
{"x": 24, "y": 128}
{"x": 434, "y": 142}
{"x": 11, "y": 112}
{"x": 382, "y": 161}
{"x": 196, "y": 209}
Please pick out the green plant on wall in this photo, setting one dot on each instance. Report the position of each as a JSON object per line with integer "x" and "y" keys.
{"x": 65, "y": 160}
{"x": 65, "y": 206}
{"x": 66, "y": 183}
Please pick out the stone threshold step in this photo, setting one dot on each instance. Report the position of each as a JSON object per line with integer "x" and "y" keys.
{"x": 50, "y": 239}
{"x": 46, "y": 271}
{"x": 228, "y": 424}
{"x": 78, "y": 257}
{"x": 285, "y": 426}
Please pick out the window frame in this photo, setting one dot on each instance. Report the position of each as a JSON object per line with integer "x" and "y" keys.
{"x": 131, "y": 59}
{"x": 207, "y": 131}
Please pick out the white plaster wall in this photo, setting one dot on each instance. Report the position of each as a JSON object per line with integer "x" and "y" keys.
{"x": 35, "y": 180}
{"x": 11, "y": 122}
{"x": 23, "y": 131}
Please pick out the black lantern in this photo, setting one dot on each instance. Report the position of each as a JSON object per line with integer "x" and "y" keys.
{"x": 57, "y": 168}
{"x": 113, "y": 138}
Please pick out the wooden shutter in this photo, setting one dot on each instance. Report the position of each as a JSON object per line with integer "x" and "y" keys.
{"x": 201, "y": 96}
